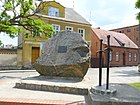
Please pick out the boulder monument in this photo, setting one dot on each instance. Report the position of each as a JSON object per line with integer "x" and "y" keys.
{"x": 65, "y": 54}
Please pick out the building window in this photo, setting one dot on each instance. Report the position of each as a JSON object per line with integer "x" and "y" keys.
{"x": 69, "y": 28}
{"x": 117, "y": 56}
{"x": 128, "y": 30}
{"x": 135, "y": 57}
{"x": 56, "y": 28}
{"x": 81, "y": 32}
{"x": 129, "y": 57}
{"x": 52, "y": 11}
{"x": 137, "y": 29}
{"x": 110, "y": 58}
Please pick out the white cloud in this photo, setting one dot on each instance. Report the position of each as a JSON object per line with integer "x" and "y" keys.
{"x": 7, "y": 40}
{"x": 127, "y": 21}
{"x": 94, "y": 24}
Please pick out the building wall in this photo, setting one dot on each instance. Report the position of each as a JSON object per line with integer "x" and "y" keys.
{"x": 8, "y": 57}
{"x": 95, "y": 46}
{"x": 75, "y": 26}
{"x": 123, "y": 59}
{"x": 29, "y": 42}
{"x": 27, "y": 52}
{"x": 19, "y": 57}
{"x": 131, "y": 31}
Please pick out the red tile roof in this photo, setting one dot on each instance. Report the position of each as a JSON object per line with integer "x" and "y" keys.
{"x": 116, "y": 39}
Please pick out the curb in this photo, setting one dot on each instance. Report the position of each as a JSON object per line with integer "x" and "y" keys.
{"x": 15, "y": 101}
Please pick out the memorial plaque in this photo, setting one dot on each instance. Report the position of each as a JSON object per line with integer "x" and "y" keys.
{"x": 62, "y": 49}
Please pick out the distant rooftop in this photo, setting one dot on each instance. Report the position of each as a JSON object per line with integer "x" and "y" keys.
{"x": 116, "y": 39}
{"x": 125, "y": 27}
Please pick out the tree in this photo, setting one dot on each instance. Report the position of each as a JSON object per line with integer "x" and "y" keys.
{"x": 137, "y": 5}
{"x": 1, "y": 43}
{"x": 17, "y": 15}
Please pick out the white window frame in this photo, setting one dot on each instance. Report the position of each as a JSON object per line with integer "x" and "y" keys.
{"x": 56, "y": 26}
{"x": 129, "y": 56}
{"x": 117, "y": 56}
{"x": 69, "y": 27}
{"x": 52, "y": 11}
{"x": 135, "y": 57}
{"x": 83, "y": 32}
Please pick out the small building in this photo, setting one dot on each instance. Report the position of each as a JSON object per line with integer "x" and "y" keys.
{"x": 124, "y": 51}
{"x": 130, "y": 31}
{"x": 8, "y": 46}
{"x": 61, "y": 18}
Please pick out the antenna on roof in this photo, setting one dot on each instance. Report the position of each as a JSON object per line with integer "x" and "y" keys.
{"x": 73, "y": 4}
{"x": 90, "y": 16}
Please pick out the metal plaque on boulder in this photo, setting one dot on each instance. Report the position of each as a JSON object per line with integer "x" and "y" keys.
{"x": 62, "y": 49}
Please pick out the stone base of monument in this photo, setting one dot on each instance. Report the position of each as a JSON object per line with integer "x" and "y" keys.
{"x": 125, "y": 95}
{"x": 101, "y": 90}
{"x": 54, "y": 84}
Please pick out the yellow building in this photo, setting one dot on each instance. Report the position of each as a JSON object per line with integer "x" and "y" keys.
{"x": 61, "y": 18}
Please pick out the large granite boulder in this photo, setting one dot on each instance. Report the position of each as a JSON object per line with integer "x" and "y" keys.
{"x": 64, "y": 55}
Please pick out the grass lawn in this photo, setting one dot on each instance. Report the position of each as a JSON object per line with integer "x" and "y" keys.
{"x": 135, "y": 85}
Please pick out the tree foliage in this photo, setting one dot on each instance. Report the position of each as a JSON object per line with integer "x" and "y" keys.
{"x": 1, "y": 43}
{"x": 137, "y": 5}
{"x": 16, "y": 15}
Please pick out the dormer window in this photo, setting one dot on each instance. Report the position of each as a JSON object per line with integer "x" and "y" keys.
{"x": 52, "y": 11}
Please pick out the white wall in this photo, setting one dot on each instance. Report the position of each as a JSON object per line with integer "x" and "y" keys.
{"x": 8, "y": 59}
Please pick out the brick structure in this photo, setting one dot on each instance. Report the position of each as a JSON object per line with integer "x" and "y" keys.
{"x": 8, "y": 51}
{"x": 124, "y": 51}
{"x": 131, "y": 31}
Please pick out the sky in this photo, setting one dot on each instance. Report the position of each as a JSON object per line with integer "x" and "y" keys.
{"x": 106, "y": 14}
